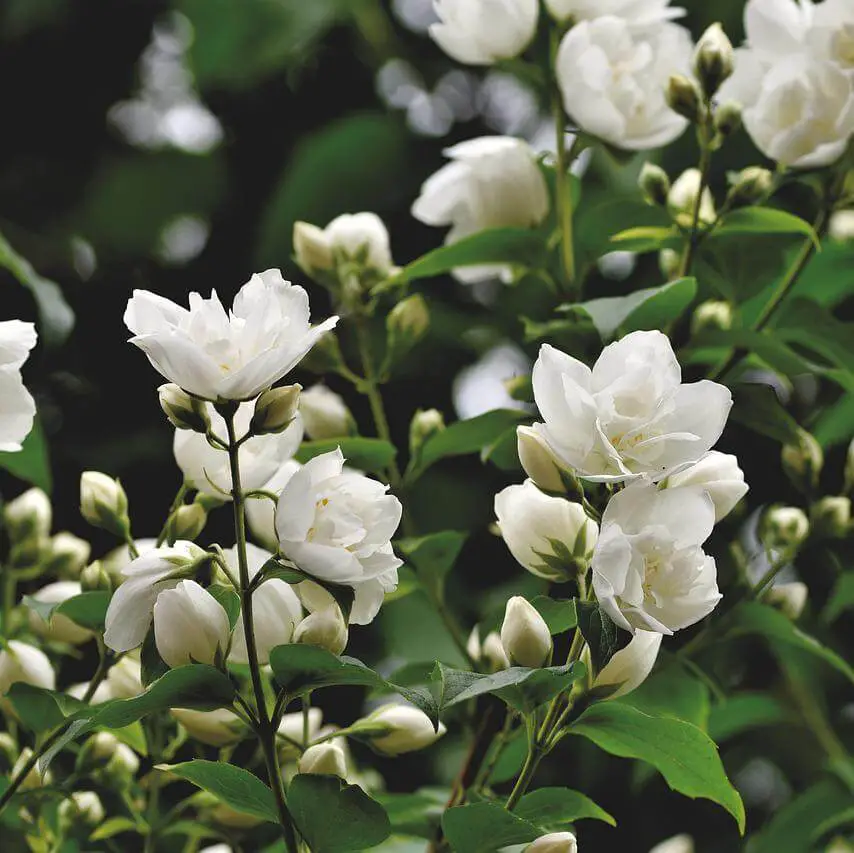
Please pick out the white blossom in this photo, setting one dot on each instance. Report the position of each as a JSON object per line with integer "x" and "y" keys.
{"x": 17, "y": 407}
{"x": 630, "y": 666}
{"x": 219, "y": 355}
{"x": 324, "y": 413}
{"x": 25, "y": 663}
{"x": 719, "y": 474}
{"x": 637, "y": 13}
{"x": 326, "y": 759}
{"x": 357, "y": 238}
{"x": 525, "y": 636}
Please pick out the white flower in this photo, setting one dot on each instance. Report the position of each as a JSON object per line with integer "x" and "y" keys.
{"x": 337, "y": 527}
{"x": 324, "y": 628}
{"x": 628, "y": 416}
{"x": 408, "y": 729}
{"x": 678, "y": 844}
{"x": 23, "y": 662}
{"x": 59, "y": 628}
{"x": 358, "y": 238}
{"x": 480, "y": 32}
{"x": 630, "y": 666}
{"x": 539, "y": 461}
{"x": 261, "y": 512}
{"x": 219, "y": 355}
{"x": 125, "y": 678}
{"x": 490, "y": 651}
{"x": 292, "y": 729}
{"x": 28, "y": 516}
{"x": 637, "y": 13}
{"x": 83, "y": 805}
{"x": 190, "y": 625}
{"x": 554, "y": 842}
{"x": 324, "y": 413}
{"x": 68, "y": 554}
{"x": 207, "y": 468}
{"x": 103, "y": 502}
{"x": 325, "y": 759}
{"x": 550, "y": 536}
{"x": 275, "y": 606}
{"x": 131, "y": 607}
{"x": 719, "y": 474}
{"x": 613, "y": 80}
{"x": 525, "y": 636}
{"x": 493, "y": 182}
{"x": 216, "y": 728}
{"x": 649, "y": 569}
{"x": 683, "y": 196}
{"x": 832, "y": 33}
{"x": 17, "y": 408}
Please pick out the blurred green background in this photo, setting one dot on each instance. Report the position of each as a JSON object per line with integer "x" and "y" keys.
{"x": 171, "y": 146}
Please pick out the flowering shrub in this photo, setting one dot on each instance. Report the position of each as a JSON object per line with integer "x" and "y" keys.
{"x": 642, "y": 558}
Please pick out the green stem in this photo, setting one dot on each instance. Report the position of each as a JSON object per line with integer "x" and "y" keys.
{"x": 529, "y": 768}
{"x": 266, "y": 733}
{"x": 176, "y": 502}
{"x": 694, "y": 236}
{"x": 10, "y": 583}
{"x": 152, "y": 812}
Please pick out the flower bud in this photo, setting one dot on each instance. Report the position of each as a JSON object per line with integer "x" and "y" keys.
{"x": 121, "y": 767}
{"x": 525, "y": 636}
{"x": 425, "y": 424}
{"x": 670, "y": 263}
{"x": 103, "y": 503}
{"x": 654, "y": 184}
{"x": 727, "y": 119}
{"x": 325, "y": 414}
{"x": 312, "y": 249}
{"x": 629, "y": 667}
{"x": 521, "y": 388}
{"x": 489, "y": 652}
{"x": 788, "y": 598}
{"x": 125, "y": 678}
{"x": 215, "y": 728}
{"x": 324, "y": 759}
{"x": 551, "y": 537}
{"x": 407, "y": 323}
{"x": 33, "y": 779}
{"x": 186, "y": 522}
{"x": 361, "y": 239}
{"x": 803, "y": 461}
{"x": 842, "y": 225}
{"x": 292, "y": 729}
{"x": 682, "y": 200}
{"x": 325, "y": 628}
{"x": 59, "y": 628}
{"x": 750, "y": 186}
{"x": 684, "y": 97}
{"x": 67, "y": 554}
{"x": 81, "y": 807}
{"x": 25, "y": 663}
{"x": 95, "y": 578}
{"x": 275, "y": 410}
{"x": 395, "y": 729}
{"x": 678, "y": 844}
{"x": 540, "y": 464}
{"x": 97, "y": 752}
{"x": 713, "y": 59}
{"x": 784, "y": 528}
{"x": 28, "y": 516}
{"x": 554, "y": 842}
{"x": 719, "y": 474}
{"x": 831, "y": 517}
{"x": 190, "y": 626}
{"x": 183, "y": 410}
{"x": 712, "y": 315}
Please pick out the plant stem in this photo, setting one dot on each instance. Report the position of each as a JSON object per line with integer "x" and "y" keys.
{"x": 176, "y": 502}
{"x": 705, "y": 165}
{"x": 529, "y": 768}
{"x": 266, "y": 733}
{"x": 10, "y": 583}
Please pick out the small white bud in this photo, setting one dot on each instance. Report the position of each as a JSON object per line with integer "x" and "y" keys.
{"x": 67, "y": 554}
{"x": 325, "y": 628}
{"x": 324, "y": 759}
{"x": 842, "y": 225}
{"x": 29, "y": 516}
{"x": 424, "y": 424}
{"x": 682, "y": 200}
{"x": 312, "y": 249}
{"x": 325, "y": 414}
{"x": 59, "y": 628}
{"x": 670, "y": 263}
{"x": 125, "y": 678}
{"x": 713, "y": 59}
{"x": 122, "y": 766}
{"x": 361, "y": 239}
{"x": 489, "y": 652}
{"x": 784, "y": 527}
{"x": 803, "y": 461}
{"x": 683, "y": 97}
{"x": 630, "y": 666}
{"x": 103, "y": 503}
{"x": 25, "y": 663}
{"x": 216, "y": 728}
{"x": 275, "y": 410}
{"x": 402, "y": 729}
{"x": 95, "y": 578}
{"x": 407, "y": 323}
{"x": 654, "y": 184}
{"x": 183, "y": 410}
{"x": 712, "y": 315}
{"x": 187, "y": 522}
{"x": 554, "y": 842}
{"x": 831, "y": 517}
{"x": 719, "y": 474}
{"x": 727, "y": 118}
{"x": 750, "y": 186}
{"x": 789, "y": 598}
{"x": 82, "y": 807}
{"x": 540, "y": 464}
{"x": 97, "y": 751}
{"x": 525, "y": 636}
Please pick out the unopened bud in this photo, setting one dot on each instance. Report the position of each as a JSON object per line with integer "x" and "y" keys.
{"x": 712, "y": 315}
{"x": 541, "y": 464}
{"x": 831, "y": 517}
{"x": 750, "y": 186}
{"x": 396, "y": 729}
{"x": 788, "y": 598}
{"x": 425, "y": 424}
{"x": 554, "y": 842}
{"x": 713, "y": 59}
{"x": 96, "y": 752}
{"x": 684, "y": 97}
{"x": 325, "y": 628}
{"x": 216, "y": 728}
{"x": 28, "y": 516}
{"x": 103, "y": 503}
{"x": 312, "y": 249}
{"x": 520, "y": 388}
{"x": 727, "y": 119}
{"x": 275, "y": 410}
{"x": 324, "y": 759}
{"x": 409, "y": 320}
{"x": 183, "y": 410}
{"x": 325, "y": 414}
{"x": 489, "y": 652}
{"x": 58, "y": 627}
{"x": 682, "y": 843}
{"x": 81, "y": 807}
{"x": 784, "y": 528}
{"x": 186, "y": 522}
{"x": 525, "y": 635}
{"x": 842, "y": 225}
{"x": 654, "y": 184}
{"x": 121, "y": 768}
{"x": 95, "y": 578}
{"x": 66, "y": 555}
{"x": 670, "y": 263}
{"x": 682, "y": 200}
{"x": 803, "y": 461}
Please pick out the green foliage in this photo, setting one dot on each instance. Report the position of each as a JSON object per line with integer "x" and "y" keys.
{"x": 433, "y": 556}
{"x": 556, "y": 809}
{"x": 31, "y": 462}
{"x": 229, "y": 600}
{"x": 89, "y": 609}
{"x": 368, "y": 454}
{"x": 485, "y": 827}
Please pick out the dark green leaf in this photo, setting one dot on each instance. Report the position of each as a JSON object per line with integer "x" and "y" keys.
{"x": 672, "y": 691}
{"x": 681, "y": 752}
{"x": 228, "y": 599}
{"x": 841, "y": 599}
{"x": 553, "y": 809}
{"x": 762, "y": 220}
{"x": 711, "y": 347}
{"x": 757, "y": 407}
{"x": 559, "y": 614}
{"x": 485, "y": 828}
{"x": 234, "y": 786}
{"x": 805, "y": 322}
{"x": 334, "y": 817}
{"x": 274, "y": 568}
{"x": 415, "y": 814}
{"x": 89, "y": 609}
{"x": 603, "y": 638}
{"x": 31, "y": 462}
{"x": 744, "y": 712}
{"x": 38, "y": 709}
{"x": 646, "y": 238}
{"x": 369, "y": 454}
{"x": 433, "y": 556}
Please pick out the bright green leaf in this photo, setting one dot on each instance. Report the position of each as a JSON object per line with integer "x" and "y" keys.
{"x": 554, "y": 809}
{"x": 646, "y": 238}
{"x": 228, "y": 599}
{"x": 762, "y": 220}
{"x": 31, "y": 462}
{"x": 672, "y": 691}
{"x": 433, "y": 556}
{"x": 485, "y": 828}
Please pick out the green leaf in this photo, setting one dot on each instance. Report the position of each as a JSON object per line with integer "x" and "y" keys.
{"x": 369, "y": 454}
{"x": 516, "y": 246}
{"x": 40, "y": 710}
{"x": 807, "y": 323}
{"x": 757, "y": 407}
{"x": 113, "y": 826}
{"x": 89, "y": 609}
{"x": 744, "y": 712}
{"x": 683, "y": 754}
{"x": 416, "y": 814}
{"x": 646, "y": 238}
{"x": 228, "y": 599}
{"x": 650, "y": 308}
{"x": 754, "y": 618}
{"x": 469, "y": 436}
{"x": 603, "y": 638}
{"x": 559, "y": 614}
{"x": 841, "y": 599}
{"x": 671, "y": 691}
{"x": 485, "y": 828}
{"x": 334, "y": 817}
{"x": 31, "y": 462}
{"x": 554, "y": 809}
{"x": 234, "y": 786}
{"x": 763, "y": 220}
{"x": 433, "y": 556}
{"x": 56, "y": 319}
